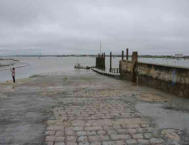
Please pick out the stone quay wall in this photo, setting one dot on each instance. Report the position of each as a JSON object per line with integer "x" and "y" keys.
{"x": 174, "y": 80}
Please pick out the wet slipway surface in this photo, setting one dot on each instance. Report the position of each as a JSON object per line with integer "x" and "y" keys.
{"x": 27, "y": 108}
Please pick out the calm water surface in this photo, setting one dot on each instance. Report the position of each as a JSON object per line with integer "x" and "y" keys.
{"x": 35, "y": 65}
{"x": 162, "y": 61}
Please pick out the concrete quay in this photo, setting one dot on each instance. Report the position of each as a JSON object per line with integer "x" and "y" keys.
{"x": 85, "y": 108}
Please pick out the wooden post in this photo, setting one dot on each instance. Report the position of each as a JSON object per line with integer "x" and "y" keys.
{"x": 96, "y": 62}
{"x": 127, "y": 54}
{"x": 134, "y": 63}
{"x": 135, "y": 56}
{"x": 122, "y": 55}
{"x": 104, "y": 61}
{"x": 110, "y": 61}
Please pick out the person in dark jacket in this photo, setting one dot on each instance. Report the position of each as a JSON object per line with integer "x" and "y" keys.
{"x": 13, "y": 74}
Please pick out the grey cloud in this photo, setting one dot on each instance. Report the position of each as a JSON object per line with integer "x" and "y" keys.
{"x": 77, "y": 26}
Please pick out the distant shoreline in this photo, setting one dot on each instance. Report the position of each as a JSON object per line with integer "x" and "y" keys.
{"x": 142, "y": 56}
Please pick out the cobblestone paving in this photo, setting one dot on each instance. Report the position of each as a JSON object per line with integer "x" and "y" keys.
{"x": 81, "y": 109}
{"x": 103, "y": 121}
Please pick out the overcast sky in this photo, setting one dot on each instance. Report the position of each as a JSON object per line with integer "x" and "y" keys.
{"x": 77, "y": 26}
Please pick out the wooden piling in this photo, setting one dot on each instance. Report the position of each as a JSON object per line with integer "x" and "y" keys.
{"x": 127, "y": 54}
{"x": 104, "y": 61}
{"x": 135, "y": 56}
{"x": 122, "y": 55}
{"x": 110, "y": 61}
{"x": 134, "y": 63}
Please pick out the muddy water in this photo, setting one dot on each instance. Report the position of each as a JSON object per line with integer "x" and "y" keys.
{"x": 35, "y": 65}
{"x": 161, "y": 61}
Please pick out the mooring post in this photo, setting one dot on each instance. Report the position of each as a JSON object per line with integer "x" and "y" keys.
{"x": 97, "y": 62}
{"x": 104, "y": 61}
{"x": 127, "y": 54}
{"x": 110, "y": 61}
{"x": 122, "y": 55}
{"x": 135, "y": 56}
{"x": 101, "y": 63}
{"x": 134, "y": 63}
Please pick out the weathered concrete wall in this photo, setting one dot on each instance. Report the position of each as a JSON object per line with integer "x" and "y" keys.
{"x": 126, "y": 69}
{"x": 170, "y": 79}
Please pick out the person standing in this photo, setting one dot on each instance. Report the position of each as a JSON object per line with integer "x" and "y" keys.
{"x": 13, "y": 74}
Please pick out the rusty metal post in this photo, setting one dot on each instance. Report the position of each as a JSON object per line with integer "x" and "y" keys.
{"x": 122, "y": 55}
{"x": 127, "y": 54}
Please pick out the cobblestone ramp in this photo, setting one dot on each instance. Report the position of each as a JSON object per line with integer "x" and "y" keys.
{"x": 99, "y": 122}
{"x": 83, "y": 109}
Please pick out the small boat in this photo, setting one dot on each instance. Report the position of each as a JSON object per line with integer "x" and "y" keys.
{"x": 79, "y": 66}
